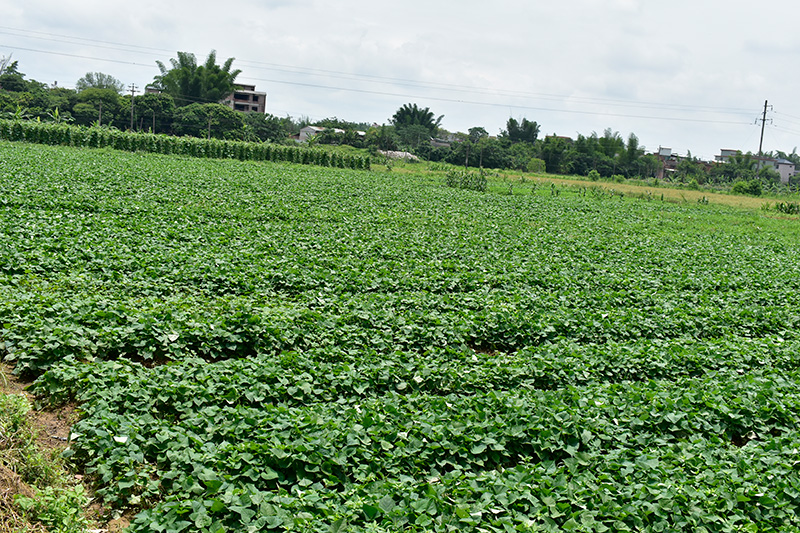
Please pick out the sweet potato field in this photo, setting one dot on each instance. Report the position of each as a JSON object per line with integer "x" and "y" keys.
{"x": 258, "y": 346}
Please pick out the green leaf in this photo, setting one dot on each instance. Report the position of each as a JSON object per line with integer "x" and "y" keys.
{"x": 478, "y": 449}
{"x": 339, "y": 526}
{"x": 387, "y": 504}
{"x": 371, "y": 511}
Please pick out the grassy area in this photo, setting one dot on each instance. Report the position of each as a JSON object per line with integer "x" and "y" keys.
{"x": 503, "y": 181}
{"x": 36, "y": 492}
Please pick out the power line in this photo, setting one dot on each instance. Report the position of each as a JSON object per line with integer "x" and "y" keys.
{"x": 786, "y": 130}
{"x": 400, "y": 95}
{"x": 14, "y": 47}
{"x": 493, "y": 104}
{"x": 19, "y": 30}
{"x": 367, "y": 77}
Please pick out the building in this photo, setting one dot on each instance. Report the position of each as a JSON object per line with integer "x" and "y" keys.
{"x": 246, "y": 99}
{"x": 785, "y": 168}
{"x": 726, "y": 153}
{"x": 308, "y": 132}
{"x": 669, "y": 162}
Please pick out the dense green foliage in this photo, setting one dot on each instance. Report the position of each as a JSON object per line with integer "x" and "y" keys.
{"x": 189, "y": 105}
{"x": 190, "y": 83}
{"x": 67, "y": 135}
{"x": 329, "y": 350}
{"x": 98, "y": 80}
{"x": 43, "y": 495}
{"x": 97, "y": 101}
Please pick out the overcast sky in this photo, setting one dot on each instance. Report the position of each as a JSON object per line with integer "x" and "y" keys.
{"x": 691, "y": 75}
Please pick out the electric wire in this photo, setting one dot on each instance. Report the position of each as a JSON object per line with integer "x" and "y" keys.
{"x": 361, "y": 77}
{"x": 426, "y": 97}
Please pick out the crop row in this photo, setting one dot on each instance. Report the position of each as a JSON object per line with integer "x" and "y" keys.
{"x": 329, "y": 350}
{"x": 619, "y": 435}
{"x": 96, "y": 137}
{"x": 331, "y": 373}
{"x": 44, "y": 322}
{"x": 98, "y": 261}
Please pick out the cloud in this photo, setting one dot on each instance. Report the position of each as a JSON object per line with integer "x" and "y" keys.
{"x": 574, "y": 66}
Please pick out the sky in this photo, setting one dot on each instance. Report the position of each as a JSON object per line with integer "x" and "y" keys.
{"x": 690, "y": 75}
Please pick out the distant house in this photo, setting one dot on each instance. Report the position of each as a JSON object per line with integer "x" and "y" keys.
{"x": 669, "y": 162}
{"x": 786, "y": 169}
{"x": 725, "y": 153}
{"x": 308, "y": 132}
{"x": 246, "y": 99}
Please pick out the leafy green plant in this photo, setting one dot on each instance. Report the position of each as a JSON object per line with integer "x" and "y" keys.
{"x": 60, "y": 510}
{"x": 462, "y": 179}
{"x": 749, "y": 187}
{"x": 790, "y": 208}
{"x": 312, "y": 348}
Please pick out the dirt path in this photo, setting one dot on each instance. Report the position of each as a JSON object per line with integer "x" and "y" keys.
{"x": 52, "y": 427}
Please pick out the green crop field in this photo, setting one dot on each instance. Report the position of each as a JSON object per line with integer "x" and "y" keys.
{"x": 262, "y": 346}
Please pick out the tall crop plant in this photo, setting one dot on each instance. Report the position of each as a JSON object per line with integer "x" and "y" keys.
{"x": 97, "y": 137}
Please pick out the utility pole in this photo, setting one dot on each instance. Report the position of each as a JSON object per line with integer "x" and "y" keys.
{"x": 761, "y": 142}
{"x": 132, "y": 87}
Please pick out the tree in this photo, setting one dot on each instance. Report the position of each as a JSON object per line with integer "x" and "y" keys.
{"x": 632, "y": 149}
{"x": 208, "y": 120}
{"x": 413, "y": 136}
{"x": 525, "y": 131}
{"x": 648, "y": 166}
{"x": 98, "y": 80}
{"x": 382, "y": 138}
{"x": 11, "y": 79}
{"x": 689, "y": 169}
{"x": 152, "y": 112}
{"x": 265, "y": 127}
{"x": 520, "y": 155}
{"x": 338, "y": 123}
{"x": 611, "y": 143}
{"x": 477, "y": 133}
{"x": 96, "y": 105}
{"x": 187, "y": 82}
{"x": 411, "y": 115}
{"x": 552, "y": 151}
{"x": 4, "y": 64}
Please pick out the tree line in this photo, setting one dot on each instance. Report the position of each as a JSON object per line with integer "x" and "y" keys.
{"x": 183, "y": 100}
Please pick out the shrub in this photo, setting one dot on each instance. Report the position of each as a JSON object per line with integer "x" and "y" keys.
{"x": 749, "y": 187}
{"x": 535, "y": 165}
{"x": 461, "y": 179}
{"x": 789, "y": 208}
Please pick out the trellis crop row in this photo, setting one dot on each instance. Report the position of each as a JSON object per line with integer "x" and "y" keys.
{"x": 96, "y": 137}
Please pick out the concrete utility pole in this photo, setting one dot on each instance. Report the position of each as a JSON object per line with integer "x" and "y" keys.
{"x": 763, "y": 120}
{"x": 133, "y": 91}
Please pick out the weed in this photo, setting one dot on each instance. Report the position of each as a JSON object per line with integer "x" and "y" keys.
{"x": 58, "y": 506}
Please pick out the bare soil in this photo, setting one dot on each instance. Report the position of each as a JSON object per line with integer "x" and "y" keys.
{"x": 52, "y": 427}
